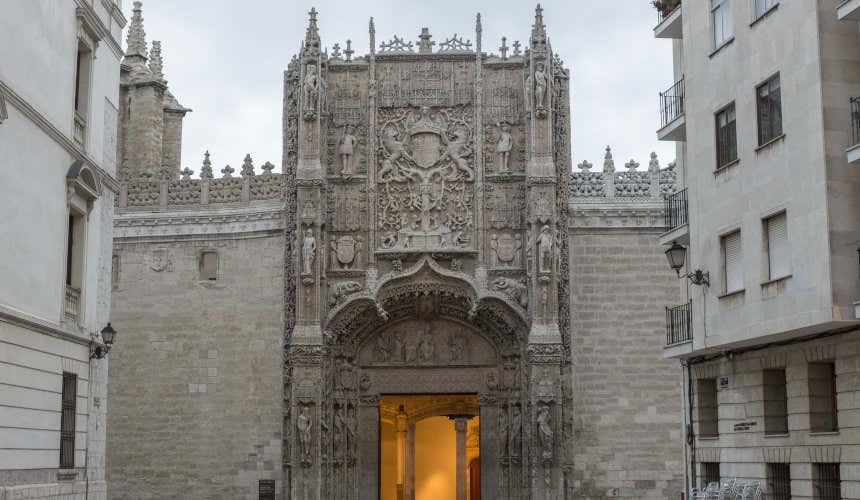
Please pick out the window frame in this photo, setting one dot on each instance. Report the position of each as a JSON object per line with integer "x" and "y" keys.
{"x": 817, "y": 480}
{"x": 721, "y": 164}
{"x": 778, "y": 481}
{"x": 203, "y": 274}
{"x": 707, "y": 411}
{"x": 724, "y": 263}
{"x": 704, "y": 479}
{"x": 68, "y": 416}
{"x": 727, "y": 34}
{"x": 766, "y": 8}
{"x": 765, "y": 137}
{"x": 768, "y": 253}
{"x": 833, "y": 395}
{"x": 771, "y": 404}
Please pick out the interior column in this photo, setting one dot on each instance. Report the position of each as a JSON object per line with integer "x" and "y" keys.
{"x": 409, "y": 484}
{"x": 402, "y": 452}
{"x": 460, "y": 426}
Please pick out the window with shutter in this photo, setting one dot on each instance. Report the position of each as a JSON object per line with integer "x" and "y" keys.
{"x": 778, "y": 254}
{"x": 721, "y": 17}
{"x": 732, "y": 263}
{"x": 67, "y": 420}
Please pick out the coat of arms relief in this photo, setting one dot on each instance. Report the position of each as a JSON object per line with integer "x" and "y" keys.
{"x": 425, "y": 179}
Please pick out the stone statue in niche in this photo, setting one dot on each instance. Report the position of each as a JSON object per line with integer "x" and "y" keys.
{"x": 546, "y": 242}
{"x": 339, "y": 429}
{"x": 458, "y": 346}
{"x": 333, "y": 264}
{"x": 309, "y": 247}
{"x": 504, "y": 146}
{"x": 545, "y": 432}
{"x": 347, "y": 151}
{"x": 516, "y": 430}
{"x": 540, "y": 86}
{"x": 311, "y": 91}
{"x": 425, "y": 351}
{"x": 305, "y": 428}
{"x": 351, "y": 430}
{"x": 530, "y": 253}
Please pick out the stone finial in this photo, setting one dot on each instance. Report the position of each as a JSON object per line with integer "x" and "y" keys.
{"x": 348, "y": 52}
{"x": 517, "y": 48}
{"x": 206, "y": 170}
{"x": 654, "y": 164}
{"x": 267, "y": 168}
{"x": 156, "y": 63}
{"x": 608, "y": 162}
{"x": 227, "y": 171}
{"x": 335, "y": 52}
{"x": 478, "y": 31}
{"x": 248, "y": 166}
{"x": 503, "y": 50}
{"x": 538, "y": 30}
{"x": 186, "y": 174}
{"x": 136, "y": 38}
{"x": 631, "y": 165}
{"x": 312, "y": 36}
{"x": 585, "y": 166}
{"x": 425, "y": 45}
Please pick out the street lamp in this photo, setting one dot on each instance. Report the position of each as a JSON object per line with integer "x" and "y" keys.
{"x": 100, "y": 350}
{"x": 677, "y": 256}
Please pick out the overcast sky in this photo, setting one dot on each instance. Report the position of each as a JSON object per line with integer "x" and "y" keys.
{"x": 225, "y": 60}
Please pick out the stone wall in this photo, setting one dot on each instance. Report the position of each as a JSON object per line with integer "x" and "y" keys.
{"x": 196, "y": 382}
{"x": 627, "y": 435}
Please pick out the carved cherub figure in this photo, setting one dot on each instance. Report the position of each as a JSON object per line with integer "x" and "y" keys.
{"x": 504, "y": 146}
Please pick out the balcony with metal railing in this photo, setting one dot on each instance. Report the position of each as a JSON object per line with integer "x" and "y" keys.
{"x": 72, "y": 304}
{"x": 80, "y": 131}
{"x": 854, "y": 145}
{"x": 673, "y": 125}
{"x": 669, "y": 22}
{"x": 848, "y": 10}
{"x": 675, "y": 215}
{"x": 679, "y": 324}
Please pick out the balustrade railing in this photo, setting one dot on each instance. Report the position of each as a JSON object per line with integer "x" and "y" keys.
{"x": 672, "y": 103}
{"x": 855, "y": 121}
{"x": 676, "y": 209}
{"x": 80, "y": 131}
{"x": 72, "y": 305}
{"x": 665, "y": 8}
{"x": 679, "y": 324}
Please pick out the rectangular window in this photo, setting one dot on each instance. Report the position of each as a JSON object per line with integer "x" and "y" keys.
{"x": 733, "y": 277}
{"x": 67, "y": 421}
{"x": 823, "y": 414}
{"x": 762, "y": 6}
{"x": 769, "y": 104}
{"x": 826, "y": 483}
{"x": 708, "y": 411}
{"x": 778, "y": 482}
{"x": 209, "y": 266}
{"x": 727, "y": 136}
{"x": 82, "y": 81}
{"x": 710, "y": 473}
{"x": 775, "y": 402}
{"x": 266, "y": 489}
{"x": 721, "y": 17}
{"x": 778, "y": 254}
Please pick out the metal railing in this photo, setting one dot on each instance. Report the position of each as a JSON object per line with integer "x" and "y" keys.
{"x": 80, "y": 131}
{"x": 665, "y": 8}
{"x": 672, "y": 103}
{"x": 679, "y": 324}
{"x": 855, "y": 121}
{"x": 72, "y": 307}
{"x": 676, "y": 209}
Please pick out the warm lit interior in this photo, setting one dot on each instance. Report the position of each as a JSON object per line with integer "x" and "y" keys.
{"x": 419, "y": 447}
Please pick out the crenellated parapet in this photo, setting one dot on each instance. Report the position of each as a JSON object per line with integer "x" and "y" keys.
{"x": 207, "y": 192}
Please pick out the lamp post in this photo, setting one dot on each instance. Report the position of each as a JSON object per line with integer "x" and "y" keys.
{"x": 677, "y": 256}
{"x": 99, "y": 350}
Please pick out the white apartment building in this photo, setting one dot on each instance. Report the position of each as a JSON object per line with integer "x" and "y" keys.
{"x": 766, "y": 119}
{"x": 59, "y": 89}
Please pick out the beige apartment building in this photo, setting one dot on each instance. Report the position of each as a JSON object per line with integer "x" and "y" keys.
{"x": 765, "y": 115}
{"x": 59, "y": 89}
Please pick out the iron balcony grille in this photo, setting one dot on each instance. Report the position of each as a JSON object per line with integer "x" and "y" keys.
{"x": 855, "y": 121}
{"x": 676, "y": 209}
{"x": 679, "y": 324}
{"x": 672, "y": 103}
{"x": 665, "y": 8}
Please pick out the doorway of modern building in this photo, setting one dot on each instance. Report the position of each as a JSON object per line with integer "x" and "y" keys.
{"x": 429, "y": 447}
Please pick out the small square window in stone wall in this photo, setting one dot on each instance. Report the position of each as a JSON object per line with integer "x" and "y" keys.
{"x": 779, "y": 481}
{"x": 710, "y": 473}
{"x": 209, "y": 266}
{"x": 826, "y": 482}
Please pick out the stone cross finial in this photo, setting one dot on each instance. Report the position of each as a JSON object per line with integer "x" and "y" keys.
{"x": 348, "y": 52}
{"x": 631, "y": 165}
{"x": 504, "y": 49}
{"x": 517, "y": 45}
{"x": 654, "y": 164}
{"x": 247, "y": 166}
{"x": 228, "y": 171}
{"x": 608, "y": 162}
{"x": 585, "y": 166}
{"x": 206, "y": 170}
{"x": 186, "y": 174}
{"x": 156, "y": 63}
{"x": 312, "y": 37}
{"x": 335, "y": 52}
{"x": 425, "y": 46}
{"x": 136, "y": 38}
{"x": 267, "y": 168}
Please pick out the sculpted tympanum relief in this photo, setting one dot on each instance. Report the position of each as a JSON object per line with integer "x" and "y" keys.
{"x": 427, "y": 243}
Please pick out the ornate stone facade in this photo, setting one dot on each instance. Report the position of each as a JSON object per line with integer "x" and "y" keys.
{"x": 422, "y": 219}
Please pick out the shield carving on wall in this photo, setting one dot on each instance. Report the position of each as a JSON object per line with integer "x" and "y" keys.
{"x": 426, "y": 148}
{"x": 506, "y": 248}
{"x": 346, "y": 249}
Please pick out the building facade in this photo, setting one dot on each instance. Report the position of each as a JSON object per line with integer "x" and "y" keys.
{"x": 423, "y": 259}
{"x": 59, "y": 82}
{"x": 768, "y": 214}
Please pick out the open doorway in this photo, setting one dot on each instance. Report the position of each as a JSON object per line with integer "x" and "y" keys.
{"x": 429, "y": 447}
